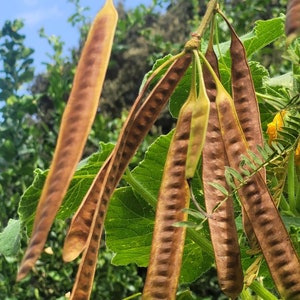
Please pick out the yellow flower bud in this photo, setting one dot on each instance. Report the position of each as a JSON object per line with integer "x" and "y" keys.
{"x": 275, "y": 125}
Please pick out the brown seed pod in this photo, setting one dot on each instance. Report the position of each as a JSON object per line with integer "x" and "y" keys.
{"x": 292, "y": 22}
{"x": 222, "y": 225}
{"x": 168, "y": 241}
{"x": 75, "y": 126}
{"x": 78, "y": 233}
{"x": 247, "y": 109}
{"x": 259, "y": 206}
{"x": 139, "y": 122}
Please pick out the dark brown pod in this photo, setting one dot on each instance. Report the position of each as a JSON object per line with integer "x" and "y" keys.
{"x": 292, "y": 22}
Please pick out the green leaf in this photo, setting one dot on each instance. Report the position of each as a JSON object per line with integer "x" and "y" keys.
{"x": 186, "y": 295}
{"x": 130, "y": 219}
{"x": 10, "y": 238}
{"x": 259, "y": 75}
{"x": 83, "y": 177}
{"x": 148, "y": 174}
{"x": 219, "y": 187}
{"x": 265, "y": 32}
{"x": 129, "y": 225}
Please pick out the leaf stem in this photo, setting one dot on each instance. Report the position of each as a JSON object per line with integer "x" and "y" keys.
{"x": 133, "y": 296}
{"x": 201, "y": 241}
{"x": 137, "y": 186}
{"x": 291, "y": 182}
{"x": 197, "y": 237}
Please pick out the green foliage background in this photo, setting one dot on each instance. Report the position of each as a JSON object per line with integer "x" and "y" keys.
{"x": 29, "y": 127}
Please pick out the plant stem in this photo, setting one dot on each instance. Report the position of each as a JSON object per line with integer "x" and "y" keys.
{"x": 261, "y": 291}
{"x": 211, "y": 6}
{"x": 201, "y": 241}
{"x": 133, "y": 296}
{"x": 245, "y": 294}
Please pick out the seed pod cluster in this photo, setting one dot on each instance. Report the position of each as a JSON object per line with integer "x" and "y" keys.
{"x": 75, "y": 126}
{"x": 138, "y": 123}
{"x": 258, "y": 204}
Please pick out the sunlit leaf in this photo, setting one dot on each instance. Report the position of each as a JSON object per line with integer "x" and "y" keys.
{"x": 10, "y": 238}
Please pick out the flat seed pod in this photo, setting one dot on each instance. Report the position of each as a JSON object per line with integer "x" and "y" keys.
{"x": 199, "y": 121}
{"x": 292, "y": 23}
{"x": 75, "y": 126}
{"x": 246, "y": 106}
{"x": 222, "y": 225}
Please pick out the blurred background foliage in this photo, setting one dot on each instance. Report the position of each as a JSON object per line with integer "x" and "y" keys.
{"x": 30, "y": 117}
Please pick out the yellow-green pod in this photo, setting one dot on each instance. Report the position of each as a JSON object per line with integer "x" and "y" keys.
{"x": 201, "y": 107}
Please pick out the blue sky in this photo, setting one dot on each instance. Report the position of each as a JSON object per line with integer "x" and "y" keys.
{"x": 52, "y": 15}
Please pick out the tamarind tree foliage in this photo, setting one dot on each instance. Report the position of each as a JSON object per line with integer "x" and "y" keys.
{"x": 30, "y": 126}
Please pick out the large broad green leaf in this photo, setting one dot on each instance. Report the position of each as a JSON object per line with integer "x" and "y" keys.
{"x": 130, "y": 218}
{"x": 83, "y": 177}
{"x": 129, "y": 225}
{"x": 10, "y": 238}
{"x": 263, "y": 34}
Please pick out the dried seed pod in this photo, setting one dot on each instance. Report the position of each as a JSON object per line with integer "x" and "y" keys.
{"x": 168, "y": 241}
{"x": 222, "y": 225}
{"x": 292, "y": 22}
{"x": 75, "y": 126}
{"x": 78, "y": 233}
{"x": 246, "y": 106}
{"x": 259, "y": 206}
{"x": 139, "y": 122}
